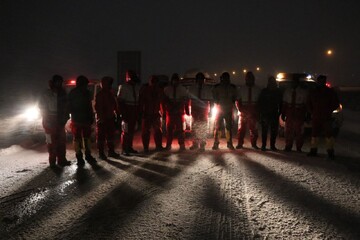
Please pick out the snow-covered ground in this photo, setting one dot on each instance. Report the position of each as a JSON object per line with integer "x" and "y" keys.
{"x": 243, "y": 194}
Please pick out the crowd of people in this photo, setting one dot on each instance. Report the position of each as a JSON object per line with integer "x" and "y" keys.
{"x": 154, "y": 103}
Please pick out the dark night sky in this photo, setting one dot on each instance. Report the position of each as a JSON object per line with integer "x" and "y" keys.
{"x": 40, "y": 38}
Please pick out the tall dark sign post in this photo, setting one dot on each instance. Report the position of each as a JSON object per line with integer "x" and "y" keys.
{"x": 128, "y": 60}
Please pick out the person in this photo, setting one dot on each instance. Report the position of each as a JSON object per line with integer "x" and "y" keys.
{"x": 269, "y": 105}
{"x": 294, "y": 114}
{"x": 150, "y": 100}
{"x": 175, "y": 104}
{"x": 128, "y": 99}
{"x": 224, "y": 95}
{"x": 321, "y": 103}
{"x": 201, "y": 98}
{"x": 249, "y": 115}
{"x": 53, "y": 107}
{"x": 107, "y": 110}
{"x": 82, "y": 117}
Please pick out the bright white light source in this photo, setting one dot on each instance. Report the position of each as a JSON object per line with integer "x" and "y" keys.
{"x": 214, "y": 112}
{"x": 280, "y": 76}
{"x": 32, "y": 113}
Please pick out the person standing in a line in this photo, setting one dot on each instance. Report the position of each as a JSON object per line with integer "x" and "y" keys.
{"x": 128, "y": 99}
{"x": 53, "y": 108}
{"x": 150, "y": 100}
{"x": 249, "y": 113}
{"x": 201, "y": 99}
{"x": 294, "y": 114}
{"x": 224, "y": 95}
{"x": 82, "y": 117}
{"x": 175, "y": 104}
{"x": 321, "y": 103}
{"x": 107, "y": 110}
{"x": 269, "y": 103}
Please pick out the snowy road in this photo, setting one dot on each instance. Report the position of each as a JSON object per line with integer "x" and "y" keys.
{"x": 244, "y": 194}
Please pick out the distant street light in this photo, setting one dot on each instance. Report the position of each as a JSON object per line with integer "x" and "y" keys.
{"x": 215, "y": 74}
{"x": 329, "y": 52}
{"x": 233, "y": 72}
{"x": 257, "y": 69}
{"x": 244, "y": 70}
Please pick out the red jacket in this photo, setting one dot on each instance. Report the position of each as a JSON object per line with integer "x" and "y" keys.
{"x": 105, "y": 104}
{"x": 322, "y": 102}
{"x": 150, "y": 100}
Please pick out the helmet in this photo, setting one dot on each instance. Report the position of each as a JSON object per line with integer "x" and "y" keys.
{"x": 175, "y": 79}
{"x": 249, "y": 79}
{"x": 153, "y": 80}
{"x": 225, "y": 78}
{"x": 271, "y": 82}
{"x": 82, "y": 81}
{"x": 56, "y": 82}
{"x": 200, "y": 78}
{"x": 106, "y": 82}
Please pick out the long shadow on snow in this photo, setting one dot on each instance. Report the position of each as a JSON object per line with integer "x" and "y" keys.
{"x": 43, "y": 195}
{"x": 342, "y": 219}
{"x": 145, "y": 174}
{"x": 108, "y": 215}
{"x": 350, "y": 163}
{"x": 220, "y": 218}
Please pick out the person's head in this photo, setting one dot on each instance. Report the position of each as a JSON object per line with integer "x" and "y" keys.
{"x": 249, "y": 79}
{"x": 131, "y": 77}
{"x": 225, "y": 78}
{"x": 56, "y": 82}
{"x": 153, "y": 80}
{"x": 271, "y": 82}
{"x": 175, "y": 79}
{"x": 321, "y": 80}
{"x": 82, "y": 81}
{"x": 200, "y": 78}
{"x": 106, "y": 82}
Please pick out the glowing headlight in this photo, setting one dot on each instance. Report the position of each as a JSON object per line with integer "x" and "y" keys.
{"x": 32, "y": 113}
{"x": 214, "y": 112}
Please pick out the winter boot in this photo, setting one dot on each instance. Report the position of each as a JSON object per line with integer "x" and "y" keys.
{"x": 80, "y": 160}
{"x": 182, "y": 147}
{"x": 215, "y": 146}
{"x": 230, "y": 146}
{"x": 239, "y": 146}
{"x": 102, "y": 155}
{"x": 113, "y": 154}
{"x": 202, "y": 146}
{"x": 194, "y": 145}
{"x": 312, "y": 153}
{"x": 90, "y": 159}
{"x": 273, "y": 148}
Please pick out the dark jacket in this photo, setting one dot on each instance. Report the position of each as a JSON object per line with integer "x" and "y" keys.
{"x": 106, "y": 106}
{"x": 80, "y": 106}
{"x": 269, "y": 103}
